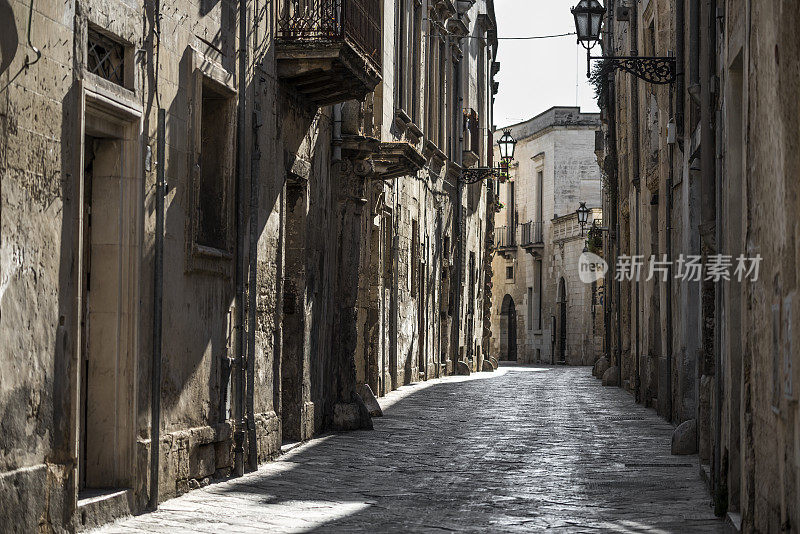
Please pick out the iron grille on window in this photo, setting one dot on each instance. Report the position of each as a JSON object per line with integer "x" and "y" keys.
{"x": 106, "y": 57}
{"x": 355, "y": 20}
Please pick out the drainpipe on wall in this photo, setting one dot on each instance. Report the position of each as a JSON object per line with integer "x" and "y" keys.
{"x": 694, "y": 51}
{"x": 680, "y": 83}
{"x": 277, "y": 336}
{"x": 393, "y": 299}
{"x": 721, "y": 485}
{"x": 158, "y": 299}
{"x": 252, "y": 453}
{"x": 680, "y": 75}
{"x": 618, "y": 292}
{"x": 613, "y": 224}
{"x": 457, "y": 279}
{"x": 708, "y": 193}
{"x": 668, "y": 251}
{"x": 239, "y": 404}
{"x": 634, "y": 84}
{"x": 336, "y": 142}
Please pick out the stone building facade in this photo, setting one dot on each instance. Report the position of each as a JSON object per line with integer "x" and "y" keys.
{"x": 220, "y": 222}
{"x": 707, "y": 167}
{"x": 541, "y": 311}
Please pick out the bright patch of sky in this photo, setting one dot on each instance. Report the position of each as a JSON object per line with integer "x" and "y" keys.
{"x": 536, "y": 75}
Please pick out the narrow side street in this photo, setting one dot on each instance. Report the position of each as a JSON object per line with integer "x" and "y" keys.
{"x": 519, "y": 450}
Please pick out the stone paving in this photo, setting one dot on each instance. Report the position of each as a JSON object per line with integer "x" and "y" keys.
{"x": 524, "y": 449}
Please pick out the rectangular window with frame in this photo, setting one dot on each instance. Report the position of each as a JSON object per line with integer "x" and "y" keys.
{"x": 511, "y": 208}
{"x": 212, "y": 136}
{"x": 509, "y": 272}
{"x": 540, "y": 196}
{"x": 530, "y": 308}
{"x": 455, "y": 118}
{"x": 483, "y": 78}
{"x": 538, "y": 287}
{"x": 414, "y": 257}
{"x": 429, "y": 83}
{"x": 442, "y": 94}
{"x": 416, "y": 53}
{"x": 215, "y": 146}
{"x": 472, "y": 280}
{"x": 401, "y": 59}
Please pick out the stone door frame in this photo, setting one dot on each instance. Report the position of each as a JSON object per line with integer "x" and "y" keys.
{"x": 114, "y": 113}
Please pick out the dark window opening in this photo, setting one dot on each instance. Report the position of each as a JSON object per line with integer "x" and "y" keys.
{"x": 472, "y": 281}
{"x": 415, "y": 258}
{"x": 538, "y": 282}
{"x": 215, "y": 143}
{"x": 509, "y": 273}
{"x": 415, "y": 63}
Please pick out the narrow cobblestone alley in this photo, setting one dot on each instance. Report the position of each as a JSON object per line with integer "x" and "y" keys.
{"x": 523, "y": 449}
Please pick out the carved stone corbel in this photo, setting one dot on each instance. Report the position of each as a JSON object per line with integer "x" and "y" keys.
{"x": 353, "y": 177}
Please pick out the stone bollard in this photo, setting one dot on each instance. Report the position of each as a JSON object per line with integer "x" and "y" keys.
{"x": 352, "y": 415}
{"x": 370, "y": 401}
{"x": 600, "y": 367}
{"x": 684, "y": 438}
{"x": 610, "y": 377}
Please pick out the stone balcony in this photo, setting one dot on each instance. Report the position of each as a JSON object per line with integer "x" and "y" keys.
{"x": 394, "y": 159}
{"x": 567, "y": 227}
{"x": 329, "y": 51}
{"x": 532, "y": 236}
{"x": 505, "y": 239}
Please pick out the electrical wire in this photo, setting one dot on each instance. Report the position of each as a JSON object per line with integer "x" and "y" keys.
{"x": 535, "y": 37}
{"x": 525, "y": 38}
{"x": 528, "y": 38}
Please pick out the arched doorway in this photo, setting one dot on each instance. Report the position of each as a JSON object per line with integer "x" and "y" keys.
{"x": 508, "y": 330}
{"x": 561, "y": 338}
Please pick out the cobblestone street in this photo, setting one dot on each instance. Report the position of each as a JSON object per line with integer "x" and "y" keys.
{"x": 519, "y": 450}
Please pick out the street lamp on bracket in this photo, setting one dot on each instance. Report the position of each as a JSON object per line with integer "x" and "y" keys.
{"x": 507, "y": 145}
{"x": 583, "y": 216}
{"x": 588, "y": 16}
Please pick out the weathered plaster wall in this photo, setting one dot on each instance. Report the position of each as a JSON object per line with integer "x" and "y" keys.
{"x": 41, "y": 159}
{"x": 36, "y": 273}
{"x": 733, "y": 367}
{"x": 766, "y": 415}
{"x": 287, "y": 148}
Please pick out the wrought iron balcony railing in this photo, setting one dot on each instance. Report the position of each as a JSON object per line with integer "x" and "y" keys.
{"x": 505, "y": 237}
{"x": 532, "y": 233}
{"x": 358, "y": 21}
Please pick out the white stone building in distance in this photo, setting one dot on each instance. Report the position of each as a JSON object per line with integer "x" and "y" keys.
{"x": 541, "y": 311}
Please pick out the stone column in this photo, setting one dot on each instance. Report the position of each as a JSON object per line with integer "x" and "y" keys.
{"x": 349, "y": 411}
{"x": 297, "y": 410}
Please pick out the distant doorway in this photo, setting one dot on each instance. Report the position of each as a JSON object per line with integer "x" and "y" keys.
{"x": 561, "y": 339}
{"x": 508, "y": 330}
